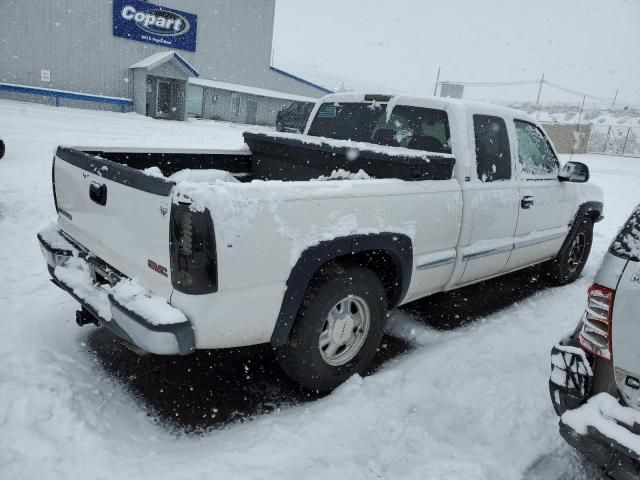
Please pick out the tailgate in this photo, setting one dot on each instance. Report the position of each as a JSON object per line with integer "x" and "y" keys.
{"x": 625, "y": 339}
{"x": 118, "y": 213}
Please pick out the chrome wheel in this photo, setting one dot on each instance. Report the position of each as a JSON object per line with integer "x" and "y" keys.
{"x": 344, "y": 331}
{"x": 576, "y": 254}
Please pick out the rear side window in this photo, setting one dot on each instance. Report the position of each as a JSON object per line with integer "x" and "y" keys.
{"x": 403, "y": 126}
{"x": 534, "y": 151}
{"x": 627, "y": 243}
{"x": 493, "y": 156}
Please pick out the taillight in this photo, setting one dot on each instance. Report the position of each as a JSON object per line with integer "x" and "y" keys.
{"x": 595, "y": 335}
{"x": 194, "y": 268}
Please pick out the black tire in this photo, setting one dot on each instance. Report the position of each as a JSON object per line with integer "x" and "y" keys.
{"x": 1, "y": 149}
{"x": 301, "y": 357}
{"x": 279, "y": 127}
{"x": 569, "y": 263}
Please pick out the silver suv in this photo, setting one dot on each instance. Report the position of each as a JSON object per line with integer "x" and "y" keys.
{"x": 595, "y": 372}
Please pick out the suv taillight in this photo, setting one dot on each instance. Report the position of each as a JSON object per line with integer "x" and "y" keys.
{"x": 192, "y": 242}
{"x": 595, "y": 335}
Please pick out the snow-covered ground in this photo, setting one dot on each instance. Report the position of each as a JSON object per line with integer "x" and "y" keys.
{"x": 466, "y": 403}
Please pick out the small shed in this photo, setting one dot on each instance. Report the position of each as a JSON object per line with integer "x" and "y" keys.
{"x": 160, "y": 85}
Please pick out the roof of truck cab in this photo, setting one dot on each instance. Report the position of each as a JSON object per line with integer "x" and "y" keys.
{"x": 430, "y": 101}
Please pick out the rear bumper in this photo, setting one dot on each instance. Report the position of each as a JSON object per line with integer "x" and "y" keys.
{"x": 620, "y": 462}
{"x": 162, "y": 339}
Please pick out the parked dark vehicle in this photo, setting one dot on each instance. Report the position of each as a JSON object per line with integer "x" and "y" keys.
{"x": 1, "y": 148}
{"x": 294, "y": 117}
{"x": 595, "y": 372}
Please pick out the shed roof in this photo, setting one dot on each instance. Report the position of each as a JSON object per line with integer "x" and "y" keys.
{"x": 259, "y": 92}
{"x": 157, "y": 59}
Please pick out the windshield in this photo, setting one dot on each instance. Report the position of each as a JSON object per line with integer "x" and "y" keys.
{"x": 411, "y": 127}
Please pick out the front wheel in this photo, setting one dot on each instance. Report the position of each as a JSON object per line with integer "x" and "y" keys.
{"x": 337, "y": 330}
{"x": 569, "y": 263}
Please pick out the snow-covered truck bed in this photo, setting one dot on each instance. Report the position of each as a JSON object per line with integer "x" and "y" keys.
{"x": 305, "y": 241}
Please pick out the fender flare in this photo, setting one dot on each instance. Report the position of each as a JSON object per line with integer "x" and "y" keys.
{"x": 397, "y": 245}
{"x": 590, "y": 209}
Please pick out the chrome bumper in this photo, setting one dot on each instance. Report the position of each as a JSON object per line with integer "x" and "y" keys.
{"x": 165, "y": 339}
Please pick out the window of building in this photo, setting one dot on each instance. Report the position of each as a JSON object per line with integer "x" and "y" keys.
{"x": 493, "y": 156}
{"x": 235, "y": 105}
{"x": 535, "y": 154}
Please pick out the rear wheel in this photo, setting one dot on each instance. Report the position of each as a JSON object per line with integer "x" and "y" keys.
{"x": 570, "y": 262}
{"x": 337, "y": 330}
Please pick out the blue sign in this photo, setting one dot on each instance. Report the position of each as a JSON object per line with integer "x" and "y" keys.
{"x": 147, "y": 22}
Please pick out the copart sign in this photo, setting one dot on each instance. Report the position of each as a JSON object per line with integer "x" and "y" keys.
{"x": 146, "y": 22}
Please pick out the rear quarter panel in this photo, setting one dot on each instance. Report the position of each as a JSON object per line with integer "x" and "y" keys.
{"x": 263, "y": 227}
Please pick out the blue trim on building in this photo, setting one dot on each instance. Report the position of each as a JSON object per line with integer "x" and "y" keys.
{"x": 186, "y": 64}
{"x": 302, "y": 80}
{"x": 65, "y": 94}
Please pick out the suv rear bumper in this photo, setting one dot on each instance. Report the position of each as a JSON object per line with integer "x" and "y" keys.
{"x": 620, "y": 462}
{"x": 161, "y": 339}
{"x": 598, "y": 426}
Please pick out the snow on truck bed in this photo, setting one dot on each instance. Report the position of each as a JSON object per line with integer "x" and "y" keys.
{"x": 470, "y": 403}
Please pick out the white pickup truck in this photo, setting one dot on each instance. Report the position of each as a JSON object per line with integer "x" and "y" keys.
{"x": 306, "y": 241}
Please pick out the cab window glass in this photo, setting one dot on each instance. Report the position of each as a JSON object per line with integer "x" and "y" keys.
{"x": 534, "y": 151}
{"x": 493, "y": 156}
{"x": 406, "y": 126}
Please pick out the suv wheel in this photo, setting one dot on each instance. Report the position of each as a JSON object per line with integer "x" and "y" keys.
{"x": 337, "y": 330}
{"x": 568, "y": 265}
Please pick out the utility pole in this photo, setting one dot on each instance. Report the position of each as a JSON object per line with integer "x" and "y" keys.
{"x": 578, "y": 138}
{"x": 615, "y": 97}
{"x": 540, "y": 89}
{"x": 435, "y": 89}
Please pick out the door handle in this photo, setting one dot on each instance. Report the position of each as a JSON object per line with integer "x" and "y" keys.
{"x": 526, "y": 201}
{"x": 98, "y": 193}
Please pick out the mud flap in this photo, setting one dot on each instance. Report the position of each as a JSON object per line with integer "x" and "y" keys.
{"x": 571, "y": 378}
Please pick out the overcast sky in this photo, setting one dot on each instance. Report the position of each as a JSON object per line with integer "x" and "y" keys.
{"x": 591, "y": 46}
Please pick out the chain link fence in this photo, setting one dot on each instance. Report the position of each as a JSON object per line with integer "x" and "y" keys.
{"x": 614, "y": 140}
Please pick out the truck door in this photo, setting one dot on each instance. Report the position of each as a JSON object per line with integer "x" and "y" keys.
{"x": 491, "y": 198}
{"x": 545, "y": 205}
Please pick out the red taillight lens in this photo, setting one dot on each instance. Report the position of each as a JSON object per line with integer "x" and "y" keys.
{"x": 595, "y": 336}
{"x": 194, "y": 263}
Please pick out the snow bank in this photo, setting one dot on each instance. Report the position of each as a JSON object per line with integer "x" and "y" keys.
{"x": 602, "y": 412}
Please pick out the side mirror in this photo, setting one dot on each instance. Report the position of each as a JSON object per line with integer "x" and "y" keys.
{"x": 574, "y": 172}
